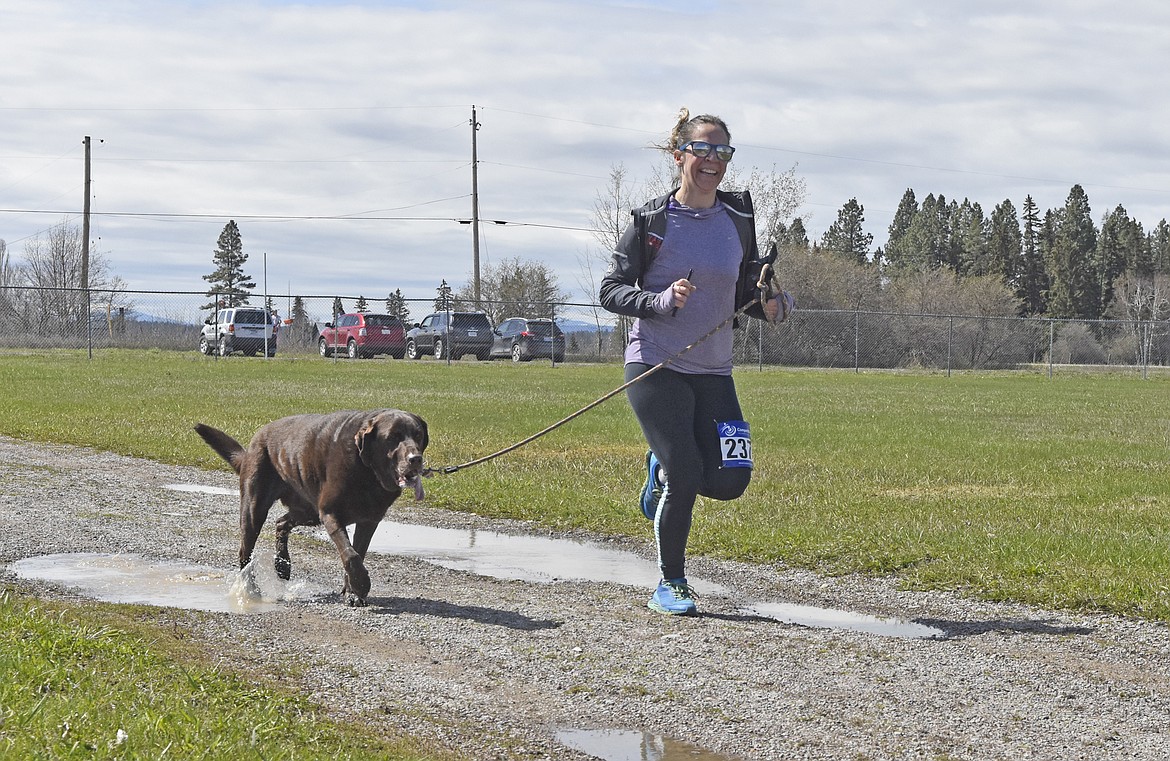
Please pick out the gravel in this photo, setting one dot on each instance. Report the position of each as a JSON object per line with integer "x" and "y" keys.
{"x": 494, "y": 669}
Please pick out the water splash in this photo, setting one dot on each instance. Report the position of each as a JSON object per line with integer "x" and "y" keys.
{"x": 130, "y": 578}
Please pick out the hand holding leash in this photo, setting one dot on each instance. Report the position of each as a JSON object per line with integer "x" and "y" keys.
{"x": 690, "y": 290}
{"x": 770, "y": 293}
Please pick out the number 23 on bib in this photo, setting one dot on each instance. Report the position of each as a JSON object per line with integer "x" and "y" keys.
{"x": 735, "y": 443}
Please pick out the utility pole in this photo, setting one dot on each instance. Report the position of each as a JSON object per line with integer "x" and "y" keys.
{"x": 85, "y": 224}
{"x": 85, "y": 255}
{"x": 475, "y": 208}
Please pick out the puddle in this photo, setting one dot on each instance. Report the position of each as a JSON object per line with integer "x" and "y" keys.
{"x": 201, "y": 489}
{"x": 545, "y": 560}
{"x": 521, "y": 558}
{"x": 622, "y": 745}
{"x": 827, "y": 618}
{"x": 131, "y": 578}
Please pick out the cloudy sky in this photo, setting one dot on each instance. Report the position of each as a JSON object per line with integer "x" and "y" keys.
{"x": 337, "y": 134}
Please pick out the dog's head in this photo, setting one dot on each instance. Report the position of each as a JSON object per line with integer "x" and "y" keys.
{"x": 391, "y": 443}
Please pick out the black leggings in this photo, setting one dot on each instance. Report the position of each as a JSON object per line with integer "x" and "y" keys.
{"x": 678, "y": 413}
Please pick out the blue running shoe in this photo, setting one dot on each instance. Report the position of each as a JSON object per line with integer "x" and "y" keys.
{"x": 674, "y": 597}
{"x": 652, "y": 489}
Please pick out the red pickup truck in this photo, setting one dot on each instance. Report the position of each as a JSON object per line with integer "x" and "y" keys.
{"x": 362, "y": 334}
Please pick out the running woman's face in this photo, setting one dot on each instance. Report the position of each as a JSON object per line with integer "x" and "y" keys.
{"x": 702, "y": 174}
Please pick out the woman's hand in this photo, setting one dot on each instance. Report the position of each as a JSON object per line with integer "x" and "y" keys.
{"x": 777, "y": 308}
{"x": 673, "y": 296}
{"x": 680, "y": 290}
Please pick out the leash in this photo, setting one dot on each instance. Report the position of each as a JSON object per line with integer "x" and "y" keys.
{"x": 766, "y": 291}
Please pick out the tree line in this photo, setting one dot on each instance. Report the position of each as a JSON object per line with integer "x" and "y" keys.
{"x": 941, "y": 257}
{"x": 1058, "y": 264}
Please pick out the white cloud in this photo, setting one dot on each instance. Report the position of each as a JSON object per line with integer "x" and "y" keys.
{"x": 245, "y": 109}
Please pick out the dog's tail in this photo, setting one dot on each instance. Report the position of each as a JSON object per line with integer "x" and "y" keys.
{"x": 225, "y": 446}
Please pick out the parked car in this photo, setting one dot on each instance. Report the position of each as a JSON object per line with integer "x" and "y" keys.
{"x": 245, "y": 329}
{"x": 363, "y": 335}
{"x": 523, "y": 339}
{"x": 458, "y": 333}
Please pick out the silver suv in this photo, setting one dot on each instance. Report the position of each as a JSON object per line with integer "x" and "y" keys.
{"x": 244, "y": 329}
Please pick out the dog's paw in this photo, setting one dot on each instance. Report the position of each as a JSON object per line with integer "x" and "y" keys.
{"x": 283, "y": 568}
{"x": 354, "y": 601}
{"x": 357, "y": 579}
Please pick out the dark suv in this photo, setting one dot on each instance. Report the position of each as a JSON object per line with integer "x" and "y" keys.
{"x": 522, "y": 339}
{"x": 362, "y": 334}
{"x": 454, "y": 333}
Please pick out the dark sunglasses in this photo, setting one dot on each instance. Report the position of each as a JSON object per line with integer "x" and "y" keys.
{"x": 702, "y": 150}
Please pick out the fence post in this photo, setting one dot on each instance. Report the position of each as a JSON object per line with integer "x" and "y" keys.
{"x": 335, "y": 315}
{"x": 88, "y": 323}
{"x": 857, "y": 341}
{"x": 1143, "y": 332}
{"x": 760, "y": 349}
{"x": 552, "y": 317}
{"x": 1052, "y": 330}
{"x": 950, "y": 341}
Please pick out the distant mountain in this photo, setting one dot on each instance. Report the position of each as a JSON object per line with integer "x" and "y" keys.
{"x": 582, "y": 326}
{"x": 136, "y": 316}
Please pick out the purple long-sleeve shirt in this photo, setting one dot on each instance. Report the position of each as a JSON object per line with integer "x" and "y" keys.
{"x": 705, "y": 243}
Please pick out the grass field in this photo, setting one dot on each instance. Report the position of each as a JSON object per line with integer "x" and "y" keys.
{"x": 102, "y": 681}
{"x": 1008, "y": 486}
{"x": 1005, "y": 486}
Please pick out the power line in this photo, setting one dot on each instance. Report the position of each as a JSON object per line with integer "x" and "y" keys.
{"x": 298, "y": 217}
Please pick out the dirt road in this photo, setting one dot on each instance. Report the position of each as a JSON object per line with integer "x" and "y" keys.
{"x": 500, "y": 669}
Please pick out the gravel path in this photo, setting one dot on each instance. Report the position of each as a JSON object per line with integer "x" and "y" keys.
{"x": 496, "y": 668}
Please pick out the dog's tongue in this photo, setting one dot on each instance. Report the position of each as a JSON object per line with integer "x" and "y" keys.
{"x": 416, "y": 482}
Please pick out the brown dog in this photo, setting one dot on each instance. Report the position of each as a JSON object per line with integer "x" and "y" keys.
{"x": 333, "y": 470}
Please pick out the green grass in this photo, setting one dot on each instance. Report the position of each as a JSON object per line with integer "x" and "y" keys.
{"x": 1009, "y": 486}
{"x": 100, "y": 682}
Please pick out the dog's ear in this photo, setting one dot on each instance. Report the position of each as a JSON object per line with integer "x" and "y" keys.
{"x": 364, "y": 439}
{"x": 425, "y": 434}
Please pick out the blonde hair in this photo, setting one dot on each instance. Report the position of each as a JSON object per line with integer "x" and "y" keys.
{"x": 683, "y": 130}
{"x": 685, "y": 127}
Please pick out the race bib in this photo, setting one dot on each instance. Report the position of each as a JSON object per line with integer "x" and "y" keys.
{"x": 735, "y": 443}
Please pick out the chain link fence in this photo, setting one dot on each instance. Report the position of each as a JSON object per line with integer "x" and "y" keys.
{"x": 46, "y": 319}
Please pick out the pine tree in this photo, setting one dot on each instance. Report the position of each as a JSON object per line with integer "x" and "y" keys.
{"x": 338, "y": 308}
{"x": 1139, "y": 254}
{"x": 925, "y": 244}
{"x": 444, "y": 301}
{"x": 1111, "y": 255}
{"x": 969, "y": 239}
{"x": 228, "y": 282}
{"x": 794, "y": 235}
{"x": 1005, "y": 250}
{"x": 1160, "y": 248}
{"x": 846, "y": 237}
{"x": 1075, "y": 288}
{"x": 396, "y": 306}
{"x": 360, "y": 305}
{"x": 301, "y": 330}
{"x": 1033, "y": 283}
{"x": 895, "y": 251}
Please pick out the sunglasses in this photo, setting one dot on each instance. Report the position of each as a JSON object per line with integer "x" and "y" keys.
{"x": 701, "y": 150}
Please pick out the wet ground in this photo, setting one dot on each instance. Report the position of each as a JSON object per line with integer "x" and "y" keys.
{"x": 501, "y": 644}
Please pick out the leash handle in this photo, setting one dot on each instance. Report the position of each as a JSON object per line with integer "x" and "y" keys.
{"x": 690, "y": 274}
